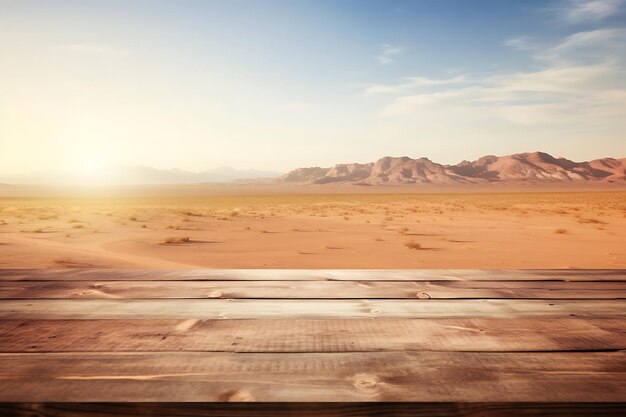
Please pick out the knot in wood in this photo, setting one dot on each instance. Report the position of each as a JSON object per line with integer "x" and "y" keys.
{"x": 237, "y": 396}
{"x": 365, "y": 381}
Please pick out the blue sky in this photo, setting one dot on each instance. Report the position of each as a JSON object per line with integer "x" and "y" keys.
{"x": 282, "y": 84}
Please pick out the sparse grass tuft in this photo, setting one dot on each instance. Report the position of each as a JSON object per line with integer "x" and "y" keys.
{"x": 190, "y": 213}
{"x": 174, "y": 239}
{"x": 414, "y": 245}
{"x": 39, "y": 230}
{"x": 590, "y": 221}
{"x": 48, "y": 217}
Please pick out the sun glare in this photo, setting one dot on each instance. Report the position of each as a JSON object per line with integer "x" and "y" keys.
{"x": 92, "y": 163}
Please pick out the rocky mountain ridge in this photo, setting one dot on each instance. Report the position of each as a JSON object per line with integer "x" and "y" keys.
{"x": 531, "y": 167}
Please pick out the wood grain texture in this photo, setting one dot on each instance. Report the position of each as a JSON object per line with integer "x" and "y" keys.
{"x": 298, "y": 409}
{"x": 382, "y": 376}
{"x": 256, "y": 309}
{"x": 333, "y": 335}
{"x": 312, "y": 274}
{"x": 311, "y": 289}
{"x": 456, "y": 337}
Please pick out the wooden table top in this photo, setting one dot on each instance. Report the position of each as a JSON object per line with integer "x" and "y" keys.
{"x": 102, "y": 335}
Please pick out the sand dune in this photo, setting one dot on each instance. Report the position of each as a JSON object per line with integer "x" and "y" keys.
{"x": 522, "y": 230}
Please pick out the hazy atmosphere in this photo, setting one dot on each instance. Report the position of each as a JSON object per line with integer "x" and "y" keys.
{"x": 319, "y": 208}
{"x": 276, "y": 85}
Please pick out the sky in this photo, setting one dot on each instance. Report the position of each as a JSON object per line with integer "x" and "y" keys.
{"x": 277, "y": 85}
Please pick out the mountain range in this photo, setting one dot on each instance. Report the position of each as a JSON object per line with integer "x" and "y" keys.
{"x": 521, "y": 168}
{"x": 531, "y": 167}
{"x": 132, "y": 175}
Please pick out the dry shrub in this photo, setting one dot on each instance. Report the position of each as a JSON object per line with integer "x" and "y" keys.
{"x": 560, "y": 231}
{"x": 414, "y": 245}
{"x": 48, "y": 217}
{"x": 190, "y": 213}
{"x": 590, "y": 221}
{"x": 174, "y": 239}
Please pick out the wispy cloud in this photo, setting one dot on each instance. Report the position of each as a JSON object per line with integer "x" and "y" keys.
{"x": 571, "y": 88}
{"x": 587, "y": 47}
{"x": 388, "y": 54}
{"x": 521, "y": 43}
{"x": 413, "y": 83}
{"x": 94, "y": 49}
{"x": 581, "y": 11}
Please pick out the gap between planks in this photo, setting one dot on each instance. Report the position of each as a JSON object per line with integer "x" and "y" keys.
{"x": 314, "y": 274}
{"x": 326, "y": 409}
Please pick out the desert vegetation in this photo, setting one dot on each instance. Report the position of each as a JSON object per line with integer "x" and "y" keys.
{"x": 515, "y": 230}
{"x": 174, "y": 239}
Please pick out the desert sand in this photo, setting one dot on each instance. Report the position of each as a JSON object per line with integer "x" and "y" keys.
{"x": 337, "y": 230}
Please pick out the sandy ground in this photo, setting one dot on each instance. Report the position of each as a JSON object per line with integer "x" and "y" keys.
{"x": 375, "y": 230}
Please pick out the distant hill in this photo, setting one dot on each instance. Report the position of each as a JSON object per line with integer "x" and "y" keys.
{"x": 139, "y": 175}
{"x": 521, "y": 168}
{"x": 532, "y": 167}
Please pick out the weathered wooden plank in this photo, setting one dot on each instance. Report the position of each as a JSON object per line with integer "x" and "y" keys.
{"x": 326, "y": 409}
{"x": 383, "y": 376}
{"x": 254, "y": 309}
{"x": 304, "y": 289}
{"x": 539, "y": 285}
{"x": 312, "y": 274}
{"x": 332, "y": 335}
